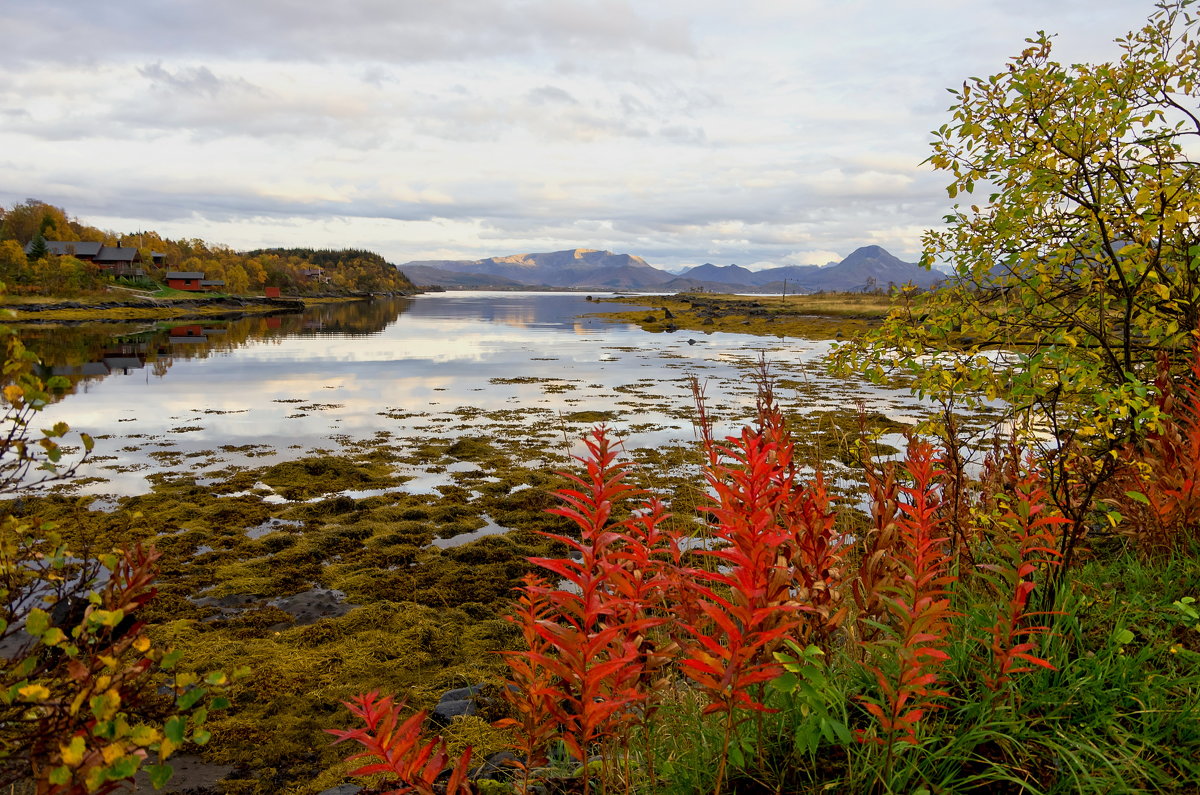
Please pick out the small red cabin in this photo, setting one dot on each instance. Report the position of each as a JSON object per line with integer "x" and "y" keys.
{"x": 272, "y": 292}
{"x": 185, "y": 280}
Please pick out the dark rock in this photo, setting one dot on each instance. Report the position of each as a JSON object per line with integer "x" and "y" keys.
{"x": 461, "y": 693}
{"x": 342, "y": 789}
{"x": 460, "y": 701}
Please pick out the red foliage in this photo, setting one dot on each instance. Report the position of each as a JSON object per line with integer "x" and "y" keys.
{"x": 531, "y": 692}
{"x": 919, "y": 604}
{"x": 592, "y": 637}
{"x": 1031, "y": 523}
{"x": 395, "y": 748}
{"x": 1158, "y": 490}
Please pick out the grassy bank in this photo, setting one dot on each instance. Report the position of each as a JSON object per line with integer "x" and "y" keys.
{"x": 817, "y": 316}
{"x": 162, "y": 305}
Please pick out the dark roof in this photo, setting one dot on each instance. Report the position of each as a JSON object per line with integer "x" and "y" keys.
{"x": 211, "y": 283}
{"x": 185, "y": 274}
{"x": 81, "y": 248}
{"x": 98, "y": 252}
{"x": 117, "y": 254}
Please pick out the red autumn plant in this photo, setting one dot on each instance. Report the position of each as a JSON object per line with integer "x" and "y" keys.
{"x": 919, "y": 607}
{"x": 592, "y": 640}
{"x": 1157, "y": 491}
{"x": 1027, "y": 533}
{"x": 532, "y": 688}
{"x": 780, "y": 565}
{"x": 393, "y": 746}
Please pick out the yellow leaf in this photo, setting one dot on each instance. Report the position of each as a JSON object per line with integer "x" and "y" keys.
{"x": 34, "y": 693}
{"x": 144, "y": 735}
{"x": 142, "y": 644}
{"x": 112, "y": 753}
{"x": 72, "y": 753}
{"x": 166, "y": 748}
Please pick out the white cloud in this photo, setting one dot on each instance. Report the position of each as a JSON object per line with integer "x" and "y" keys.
{"x": 766, "y": 131}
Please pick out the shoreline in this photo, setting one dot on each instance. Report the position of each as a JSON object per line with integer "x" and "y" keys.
{"x": 76, "y": 311}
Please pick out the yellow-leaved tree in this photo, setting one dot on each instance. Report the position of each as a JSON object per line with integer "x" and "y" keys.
{"x": 1074, "y": 246}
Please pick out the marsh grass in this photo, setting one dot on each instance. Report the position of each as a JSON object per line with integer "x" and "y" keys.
{"x": 815, "y": 316}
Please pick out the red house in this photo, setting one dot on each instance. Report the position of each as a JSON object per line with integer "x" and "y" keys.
{"x": 185, "y": 280}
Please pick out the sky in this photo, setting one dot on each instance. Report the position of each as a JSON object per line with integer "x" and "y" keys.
{"x": 756, "y": 132}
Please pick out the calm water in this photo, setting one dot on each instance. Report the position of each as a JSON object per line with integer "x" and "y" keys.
{"x": 162, "y": 396}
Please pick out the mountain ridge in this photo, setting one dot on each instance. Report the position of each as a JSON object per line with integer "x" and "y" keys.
{"x": 866, "y": 268}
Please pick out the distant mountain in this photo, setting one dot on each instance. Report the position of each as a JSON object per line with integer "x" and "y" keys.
{"x": 577, "y": 267}
{"x": 721, "y": 274}
{"x": 426, "y": 276}
{"x": 867, "y": 268}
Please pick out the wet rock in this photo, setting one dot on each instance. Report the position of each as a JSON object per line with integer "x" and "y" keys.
{"x": 460, "y": 701}
{"x": 342, "y": 789}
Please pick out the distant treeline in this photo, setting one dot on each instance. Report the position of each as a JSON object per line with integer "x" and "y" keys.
{"x": 293, "y": 270}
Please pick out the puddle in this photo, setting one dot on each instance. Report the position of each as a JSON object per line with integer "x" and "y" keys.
{"x": 270, "y": 526}
{"x": 489, "y": 529}
{"x": 314, "y": 604}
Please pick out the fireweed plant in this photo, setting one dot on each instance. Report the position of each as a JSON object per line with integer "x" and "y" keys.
{"x": 897, "y": 661}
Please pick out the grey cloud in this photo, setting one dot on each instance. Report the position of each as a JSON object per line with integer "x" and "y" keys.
{"x": 550, "y": 95}
{"x": 198, "y": 80}
{"x": 390, "y": 31}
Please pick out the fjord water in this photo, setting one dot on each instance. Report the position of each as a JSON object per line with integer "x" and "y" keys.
{"x": 197, "y": 397}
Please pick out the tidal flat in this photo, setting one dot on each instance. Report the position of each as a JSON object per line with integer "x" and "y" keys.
{"x": 344, "y": 502}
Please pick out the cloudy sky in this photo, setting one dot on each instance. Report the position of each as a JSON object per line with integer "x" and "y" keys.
{"x": 685, "y": 131}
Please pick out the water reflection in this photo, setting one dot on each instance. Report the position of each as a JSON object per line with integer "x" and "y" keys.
{"x": 527, "y": 369}
{"x": 87, "y": 352}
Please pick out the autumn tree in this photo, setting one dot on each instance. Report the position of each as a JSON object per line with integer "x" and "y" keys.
{"x": 1076, "y": 265}
{"x": 1083, "y": 260}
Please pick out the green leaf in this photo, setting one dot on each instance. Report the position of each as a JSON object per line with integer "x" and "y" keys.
{"x": 1137, "y": 496}
{"x": 174, "y": 729}
{"x": 159, "y": 775}
{"x": 189, "y": 699}
{"x": 1123, "y": 636}
{"x": 123, "y": 768}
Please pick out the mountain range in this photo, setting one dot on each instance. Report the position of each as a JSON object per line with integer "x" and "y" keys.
{"x": 867, "y": 268}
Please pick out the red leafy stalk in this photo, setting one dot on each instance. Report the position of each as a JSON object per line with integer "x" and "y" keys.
{"x": 781, "y": 561}
{"x": 919, "y": 604}
{"x": 1032, "y": 524}
{"x": 878, "y": 569}
{"x": 816, "y": 552}
{"x": 592, "y": 639}
{"x": 530, "y": 692}
{"x": 749, "y": 604}
{"x": 395, "y": 748}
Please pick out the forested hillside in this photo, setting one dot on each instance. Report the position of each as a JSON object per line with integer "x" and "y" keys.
{"x": 293, "y": 270}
